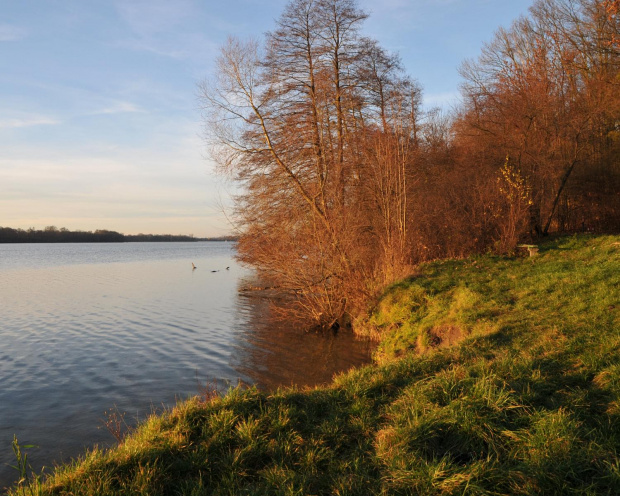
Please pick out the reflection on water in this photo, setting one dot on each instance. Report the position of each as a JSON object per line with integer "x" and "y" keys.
{"x": 273, "y": 353}
{"x": 85, "y": 327}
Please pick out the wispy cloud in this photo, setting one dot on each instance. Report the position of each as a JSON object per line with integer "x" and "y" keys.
{"x": 147, "y": 17}
{"x": 154, "y": 26}
{"x": 27, "y": 122}
{"x": 119, "y": 108}
{"x": 152, "y": 191}
{"x": 443, "y": 100}
{"x": 9, "y": 32}
{"x": 154, "y": 46}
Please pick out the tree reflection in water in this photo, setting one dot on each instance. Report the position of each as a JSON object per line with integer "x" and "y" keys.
{"x": 272, "y": 352}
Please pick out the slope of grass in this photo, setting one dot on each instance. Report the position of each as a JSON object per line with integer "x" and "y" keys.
{"x": 494, "y": 376}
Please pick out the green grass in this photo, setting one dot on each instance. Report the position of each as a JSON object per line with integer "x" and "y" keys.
{"x": 494, "y": 376}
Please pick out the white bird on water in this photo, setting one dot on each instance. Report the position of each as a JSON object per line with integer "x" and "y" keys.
{"x": 193, "y": 266}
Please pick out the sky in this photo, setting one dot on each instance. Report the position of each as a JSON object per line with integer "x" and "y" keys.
{"x": 100, "y": 126}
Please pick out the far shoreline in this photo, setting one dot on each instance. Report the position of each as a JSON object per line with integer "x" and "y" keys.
{"x": 119, "y": 242}
{"x": 52, "y": 234}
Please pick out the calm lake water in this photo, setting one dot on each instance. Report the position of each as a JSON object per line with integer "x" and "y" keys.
{"x": 85, "y": 328}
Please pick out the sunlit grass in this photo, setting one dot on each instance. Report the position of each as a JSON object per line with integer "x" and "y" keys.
{"x": 495, "y": 376}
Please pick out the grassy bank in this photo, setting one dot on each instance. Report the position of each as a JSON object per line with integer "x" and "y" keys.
{"x": 494, "y": 376}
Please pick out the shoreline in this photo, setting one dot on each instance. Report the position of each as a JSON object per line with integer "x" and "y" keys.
{"x": 493, "y": 373}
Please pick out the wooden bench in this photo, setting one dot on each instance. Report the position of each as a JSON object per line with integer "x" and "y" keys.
{"x": 533, "y": 249}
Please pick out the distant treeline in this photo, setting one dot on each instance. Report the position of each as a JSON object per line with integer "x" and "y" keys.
{"x": 52, "y": 234}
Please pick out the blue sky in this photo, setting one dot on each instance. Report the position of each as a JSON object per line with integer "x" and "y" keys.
{"x": 99, "y": 119}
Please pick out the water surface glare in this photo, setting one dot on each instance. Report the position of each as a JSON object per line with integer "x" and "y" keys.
{"x": 88, "y": 327}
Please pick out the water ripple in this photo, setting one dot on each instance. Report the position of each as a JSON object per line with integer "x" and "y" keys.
{"x": 87, "y": 327}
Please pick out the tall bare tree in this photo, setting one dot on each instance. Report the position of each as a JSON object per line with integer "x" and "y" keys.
{"x": 308, "y": 131}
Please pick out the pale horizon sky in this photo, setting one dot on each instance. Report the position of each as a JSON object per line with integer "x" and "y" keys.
{"x": 99, "y": 119}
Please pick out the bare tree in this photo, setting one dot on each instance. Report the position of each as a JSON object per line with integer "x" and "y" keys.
{"x": 308, "y": 132}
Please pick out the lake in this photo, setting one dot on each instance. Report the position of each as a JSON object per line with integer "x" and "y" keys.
{"x": 131, "y": 327}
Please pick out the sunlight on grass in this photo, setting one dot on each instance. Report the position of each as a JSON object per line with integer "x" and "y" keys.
{"x": 495, "y": 376}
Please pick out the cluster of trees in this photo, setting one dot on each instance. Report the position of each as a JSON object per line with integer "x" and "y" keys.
{"x": 346, "y": 182}
{"x": 51, "y": 234}
{"x": 545, "y": 97}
